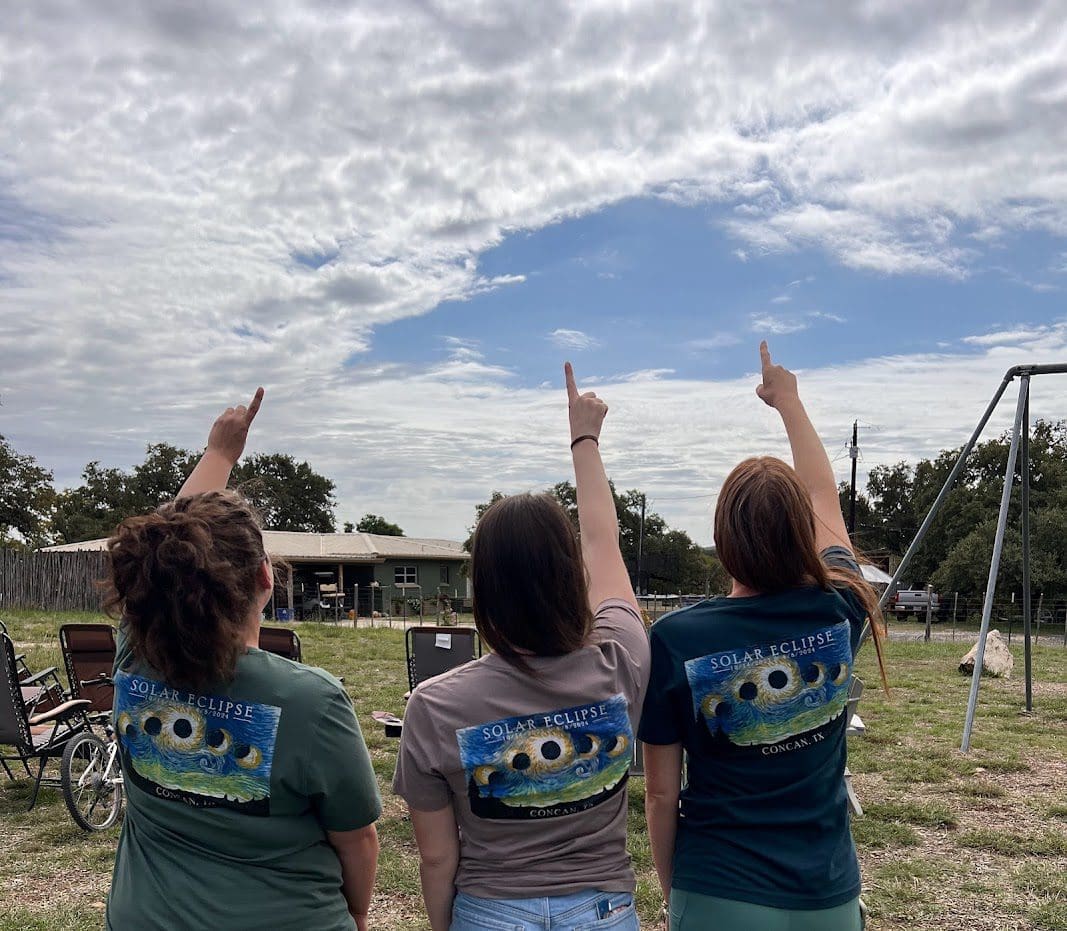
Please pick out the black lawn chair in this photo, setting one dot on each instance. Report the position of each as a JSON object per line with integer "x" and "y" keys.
{"x": 89, "y": 656}
{"x": 282, "y": 641}
{"x": 33, "y": 734}
{"x": 434, "y": 650}
{"x": 20, "y": 659}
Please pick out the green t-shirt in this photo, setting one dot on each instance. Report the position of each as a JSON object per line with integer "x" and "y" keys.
{"x": 230, "y": 795}
{"x": 755, "y": 689}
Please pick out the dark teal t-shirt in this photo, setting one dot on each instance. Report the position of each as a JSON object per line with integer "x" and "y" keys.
{"x": 230, "y": 794}
{"x": 755, "y": 690}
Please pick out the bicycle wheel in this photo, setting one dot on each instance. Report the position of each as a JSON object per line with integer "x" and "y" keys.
{"x": 93, "y": 796}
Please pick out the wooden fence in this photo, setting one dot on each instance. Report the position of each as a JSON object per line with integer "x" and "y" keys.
{"x": 51, "y": 581}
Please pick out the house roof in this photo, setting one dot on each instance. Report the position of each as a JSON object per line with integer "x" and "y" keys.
{"x": 332, "y": 547}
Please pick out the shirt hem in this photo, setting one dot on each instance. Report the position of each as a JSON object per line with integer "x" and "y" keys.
{"x": 550, "y": 890}
{"x": 763, "y": 897}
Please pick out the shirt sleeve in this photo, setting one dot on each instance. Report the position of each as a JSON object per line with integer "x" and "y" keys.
{"x": 417, "y": 778}
{"x": 122, "y": 648}
{"x": 618, "y": 620}
{"x": 339, "y": 777}
{"x": 660, "y": 722}
{"x": 840, "y": 557}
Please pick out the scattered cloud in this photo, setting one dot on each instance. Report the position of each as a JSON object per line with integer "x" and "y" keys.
{"x": 778, "y": 326}
{"x": 1008, "y": 337}
{"x": 782, "y": 299}
{"x": 258, "y": 189}
{"x": 823, "y": 315}
{"x": 715, "y": 341}
{"x": 572, "y": 339}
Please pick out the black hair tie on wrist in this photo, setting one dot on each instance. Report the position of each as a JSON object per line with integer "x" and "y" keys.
{"x": 584, "y": 436}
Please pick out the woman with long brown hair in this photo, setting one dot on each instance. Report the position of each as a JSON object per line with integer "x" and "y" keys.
{"x": 514, "y": 766}
{"x": 753, "y": 688}
{"x": 251, "y": 797}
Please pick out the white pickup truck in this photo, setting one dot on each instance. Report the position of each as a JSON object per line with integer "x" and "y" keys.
{"x": 913, "y": 601}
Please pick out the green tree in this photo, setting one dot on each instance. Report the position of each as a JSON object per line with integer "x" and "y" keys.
{"x": 289, "y": 494}
{"x": 372, "y": 523}
{"x": 26, "y": 498}
{"x": 94, "y": 508}
{"x": 670, "y": 561}
{"x": 955, "y": 554}
{"x": 108, "y": 495}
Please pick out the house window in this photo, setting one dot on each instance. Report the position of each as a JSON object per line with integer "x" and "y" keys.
{"x": 444, "y": 575}
{"x": 405, "y": 575}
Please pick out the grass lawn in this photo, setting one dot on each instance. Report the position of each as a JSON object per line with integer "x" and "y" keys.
{"x": 948, "y": 841}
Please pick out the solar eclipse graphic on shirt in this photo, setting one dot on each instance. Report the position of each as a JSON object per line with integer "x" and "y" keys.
{"x": 770, "y": 692}
{"x": 208, "y": 751}
{"x": 547, "y": 764}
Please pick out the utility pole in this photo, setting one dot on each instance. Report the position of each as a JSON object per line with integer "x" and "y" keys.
{"x": 853, "y": 452}
{"x": 640, "y": 543}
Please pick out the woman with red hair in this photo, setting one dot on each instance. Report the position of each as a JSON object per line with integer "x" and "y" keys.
{"x": 753, "y": 687}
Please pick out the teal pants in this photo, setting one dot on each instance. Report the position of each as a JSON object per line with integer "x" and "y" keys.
{"x": 691, "y": 911}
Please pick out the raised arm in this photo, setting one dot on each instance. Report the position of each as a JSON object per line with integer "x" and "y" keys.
{"x": 812, "y": 465}
{"x": 597, "y": 520}
{"x": 225, "y": 444}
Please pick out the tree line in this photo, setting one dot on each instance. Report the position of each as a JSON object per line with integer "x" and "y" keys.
{"x": 670, "y": 562}
{"x": 289, "y": 495}
{"x": 955, "y": 555}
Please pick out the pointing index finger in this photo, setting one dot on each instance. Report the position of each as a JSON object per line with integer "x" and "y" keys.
{"x": 253, "y": 407}
{"x": 572, "y": 388}
{"x": 764, "y": 354}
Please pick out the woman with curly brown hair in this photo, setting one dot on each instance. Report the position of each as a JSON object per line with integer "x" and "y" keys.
{"x": 251, "y": 797}
{"x": 753, "y": 688}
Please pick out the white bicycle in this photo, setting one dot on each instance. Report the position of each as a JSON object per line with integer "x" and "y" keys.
{"x": 91, "y": 777}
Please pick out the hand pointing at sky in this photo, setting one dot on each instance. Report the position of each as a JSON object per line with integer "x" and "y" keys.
{"x": 230, "y": 430}
{"x": 587, "y": 411}
{"x": 779, "y": 384}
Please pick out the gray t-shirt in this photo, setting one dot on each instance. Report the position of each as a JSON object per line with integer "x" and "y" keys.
{"x": 535, "y": 767}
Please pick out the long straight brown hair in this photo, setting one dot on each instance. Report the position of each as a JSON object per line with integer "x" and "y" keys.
{"x": 530, "y": 594}
{"x": 765, "y": 539}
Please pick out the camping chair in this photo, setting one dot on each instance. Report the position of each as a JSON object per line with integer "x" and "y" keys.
{"x": 38, "y": 736}
{"x": 20, "y": 659}
{"x": 854, "y": 728}
{"x": 331, "y": 600}
{"x": 88, "y": 655}
{"x": 281, "y": 641}
{"x": 430, "y": 652}
{"x": 434, "y": 650}
{"x": 39, "y": 691}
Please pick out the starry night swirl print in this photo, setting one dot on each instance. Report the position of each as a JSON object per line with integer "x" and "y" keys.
{"x": 207, "y": 751}
{"x": 547, "y": 764}
{"x": 769, "y": 692}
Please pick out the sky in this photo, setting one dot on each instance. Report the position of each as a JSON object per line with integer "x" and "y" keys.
{"x": 401, "y": 218}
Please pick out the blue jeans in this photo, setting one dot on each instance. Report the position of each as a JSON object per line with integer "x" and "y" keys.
{"x": 580, "y": 911}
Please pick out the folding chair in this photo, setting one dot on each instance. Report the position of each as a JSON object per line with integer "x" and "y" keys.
{"x": 20, "y": 660}
{"x": 282, "y": 641}
{"x": 40, "y": 736}
{"x": 88, "y": 655}
{"x": 40, "y": 691}
{"x": 434, "y": 650}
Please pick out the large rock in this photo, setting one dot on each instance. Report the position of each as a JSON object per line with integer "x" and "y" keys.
{"x": 996, "y": 661}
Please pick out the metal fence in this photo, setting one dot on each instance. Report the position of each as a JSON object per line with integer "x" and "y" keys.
{"x": 961, "y": 613}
